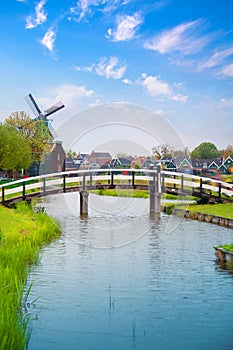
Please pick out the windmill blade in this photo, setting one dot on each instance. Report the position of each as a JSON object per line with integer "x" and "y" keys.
{"x": 54, "y": 108}
{"x": 33, "y": 105}
{"x": 52, "y": 132}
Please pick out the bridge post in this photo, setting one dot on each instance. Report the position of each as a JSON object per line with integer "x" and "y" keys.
{"x": 155, "y": 195}
{"x": 112, "y": 180}
{"x": 219, "y": 190}
{"x": 90, "y": 181}
{"x": 64, "y": 184}
{"x": 182, "y": 183}
{"x": 24, "y": 192}
{"x": 201, "y": 183}
{"x": 84, "y": 203}
{"x": 44, "y": 185}
{"x": 133, "y": 179}
{"x": 3, "y": 195}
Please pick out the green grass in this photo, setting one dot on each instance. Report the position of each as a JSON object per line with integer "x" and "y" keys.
{"x": 122, "y": 193}
{"x": 227, "y": 178}
{"x": 22, "y": 233}
{"x": 222, "y": 210}
{"x": 136, "y": 194}
{"x": 228, "y": 247}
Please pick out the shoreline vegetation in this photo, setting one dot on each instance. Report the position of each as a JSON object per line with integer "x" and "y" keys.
{"x": 23, "y": 233}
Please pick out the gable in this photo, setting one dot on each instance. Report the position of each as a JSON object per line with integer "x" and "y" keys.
{"x": 228, "y": 162}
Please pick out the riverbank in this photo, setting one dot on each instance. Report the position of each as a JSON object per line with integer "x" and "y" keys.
{"x": 220, "y": 214}
{"x": 22, "y": 233}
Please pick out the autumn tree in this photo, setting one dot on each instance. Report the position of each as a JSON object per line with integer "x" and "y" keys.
{"x": 228, "y": 152}
{"x": 36, "y": 132}
{"x": 164, "y": 150}
{"x": 15, "y": 151}
{"x": 205, "y": 150}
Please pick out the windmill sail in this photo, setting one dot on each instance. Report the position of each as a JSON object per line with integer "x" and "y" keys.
{"x": 33, "y": 105}
{"x": 59, "y": 105}
{"x": 43, "y": 115}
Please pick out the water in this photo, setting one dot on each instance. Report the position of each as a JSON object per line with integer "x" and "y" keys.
{"x": 148, "y": 288}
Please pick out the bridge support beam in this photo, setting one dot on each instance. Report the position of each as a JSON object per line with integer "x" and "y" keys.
{"x": 155, "y": 205}
{"x": 84, "y": 203}
{"x": 155, "y": 195}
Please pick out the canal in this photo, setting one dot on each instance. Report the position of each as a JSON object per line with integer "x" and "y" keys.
{"x": 117, "y": 280}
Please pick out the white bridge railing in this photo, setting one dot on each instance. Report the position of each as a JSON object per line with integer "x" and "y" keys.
{"x": 140, "y": 178}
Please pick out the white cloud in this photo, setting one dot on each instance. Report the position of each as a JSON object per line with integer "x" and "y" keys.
{"x": 180, "y": 98}
{"x": 154, "y": 86}
{"x": 108, "y": 68}
{"x": 86, "y": 8}
{"x": 126, "y": 27}
{"x": 69, "y": 94}
{"x": 39, "y": 18}
{"x": 157, "y": 87}
{"x": 183, "y": 38}
{"x": 216, "y": 59}
{"x": 49, "y": 39}
{"x": 224, "y": 102}
{"x": 127, "y": 81}
{"x": 228, "y": 70}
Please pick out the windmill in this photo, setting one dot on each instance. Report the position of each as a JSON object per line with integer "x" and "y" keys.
{"x": 43, "y": 116}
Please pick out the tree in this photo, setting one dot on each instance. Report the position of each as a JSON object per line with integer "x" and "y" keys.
{"x": 36, "y": 132}
{"x": 15, "y": 151}
{"x": 228, "y": 152}
{"x": 182, "y": 153}
{"x": 71, "y": 154}
{"x": 205, "y": 150}
{"x": 164, "y": 150}
{"x": 123, "y": 155}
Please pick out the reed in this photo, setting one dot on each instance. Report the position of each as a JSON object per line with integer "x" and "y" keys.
{"x": 22, "y": 233}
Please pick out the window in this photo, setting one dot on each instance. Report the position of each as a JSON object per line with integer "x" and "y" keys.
{"x": 58, "y": 156}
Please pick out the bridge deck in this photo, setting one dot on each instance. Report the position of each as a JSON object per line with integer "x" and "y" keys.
{"x": 170, "y": 182}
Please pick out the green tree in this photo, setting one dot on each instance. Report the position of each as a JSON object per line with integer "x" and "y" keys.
{"x": 15, "y": 151}
{"x": 205, "y": 150}
{"x": 36, "y": 132}
{"x": 71, "y": 154}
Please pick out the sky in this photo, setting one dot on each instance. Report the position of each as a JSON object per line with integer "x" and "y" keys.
{"x": 172, "y": 57}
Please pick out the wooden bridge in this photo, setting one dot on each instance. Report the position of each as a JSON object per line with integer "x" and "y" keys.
{"x": 155, "y": 182}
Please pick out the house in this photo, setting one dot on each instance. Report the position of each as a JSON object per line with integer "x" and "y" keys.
{"x": 54, "y": 159}
{"x": 100, "y": 158}
{"x": 149, "y": 163}
{"x": 70, "y": 164}
{"x": 167, "y": 163}
{"x": 183, "y": 164}
{"x": 138, "y": 162}
{"x": 121, "y": 162}
{"x": 227, "y": 164}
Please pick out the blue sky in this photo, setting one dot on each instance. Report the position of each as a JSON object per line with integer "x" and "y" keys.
{"x": 174, "y": 57}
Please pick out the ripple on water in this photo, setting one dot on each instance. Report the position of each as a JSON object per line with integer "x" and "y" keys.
{"x": 159, "y": 290}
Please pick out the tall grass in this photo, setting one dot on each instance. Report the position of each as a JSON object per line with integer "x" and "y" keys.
{"x": 22, "y": 233}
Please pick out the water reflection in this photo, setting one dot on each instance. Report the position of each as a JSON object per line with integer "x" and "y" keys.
{"x": 159, "y": 291}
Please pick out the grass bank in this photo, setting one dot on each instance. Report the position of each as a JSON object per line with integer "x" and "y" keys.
{"x": 22, "y": 233}
{"x": 136, "y": 194}
{"x": 222, "y": 210}
{"x": 228, "y": 247}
